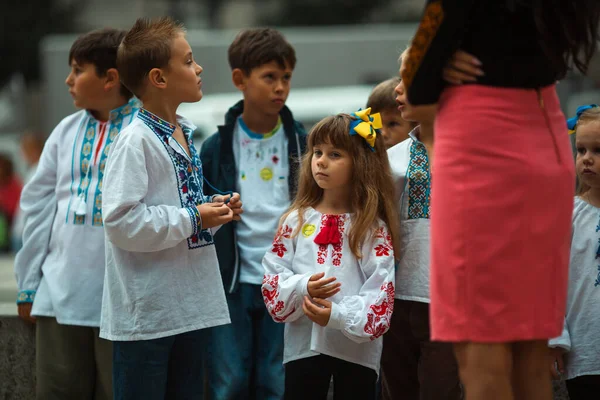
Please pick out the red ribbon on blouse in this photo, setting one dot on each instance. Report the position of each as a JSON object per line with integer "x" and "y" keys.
{"x": 330, "y": 232}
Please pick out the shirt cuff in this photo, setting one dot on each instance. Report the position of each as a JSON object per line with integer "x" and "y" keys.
{"x": 195, "y": 219}
{"x": 336, "y": 319}
{"x": 304, "y": 286}
{"x": 25, "y": 296}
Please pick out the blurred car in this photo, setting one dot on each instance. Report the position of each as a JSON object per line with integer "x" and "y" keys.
{"x": 307, "y": 105}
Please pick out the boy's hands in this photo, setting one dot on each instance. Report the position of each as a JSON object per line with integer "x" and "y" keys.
{"x": 214, "y": 214}
{"x": 318, "y": 313}
{"x": 557, "y": 362}
{"x": 25, "y": 312}
{"x": 322, "y": 288}
{"x": 462, "y": 68}
{"x": 233, "y": 202}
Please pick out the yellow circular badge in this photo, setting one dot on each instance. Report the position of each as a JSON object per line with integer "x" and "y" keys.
{"x": 266, "y": 174}
{"x": 308, "y": 230}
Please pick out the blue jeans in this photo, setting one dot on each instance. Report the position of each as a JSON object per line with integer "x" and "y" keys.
{"x": 245, "y": 358}
{"x": 158, "y": 369}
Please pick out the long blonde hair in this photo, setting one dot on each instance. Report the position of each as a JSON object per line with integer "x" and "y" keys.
{"x": 588, "y": 116}
{"x": 372, "y": 194}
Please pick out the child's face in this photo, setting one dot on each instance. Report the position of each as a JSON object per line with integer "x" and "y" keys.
{"x": 86, "y": 87}
{"x": 395, "y": 128}
{"x": 419, "y": 114}
{"x": 331, "y": 167}
{"x": 587, "y": 163}
{"x": 182, "y": 75}
{"x": 267, "y": 87}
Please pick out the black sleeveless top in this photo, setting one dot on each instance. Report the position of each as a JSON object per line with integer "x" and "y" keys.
{"x": 501, "y": 34}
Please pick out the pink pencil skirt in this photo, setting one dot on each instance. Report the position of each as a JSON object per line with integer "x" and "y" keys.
{"x": 502, "y": 199}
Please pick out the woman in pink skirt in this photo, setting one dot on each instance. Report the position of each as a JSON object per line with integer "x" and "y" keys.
{"x": 503, "y": 183}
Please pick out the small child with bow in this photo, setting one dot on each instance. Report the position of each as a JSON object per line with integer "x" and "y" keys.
{"x": 330, "y": 273}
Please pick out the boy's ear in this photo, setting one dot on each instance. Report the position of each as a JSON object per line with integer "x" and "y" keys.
{"x": 157, "y": 78}
{"x": 239, "y": 78}
{"x": 111, "y": 79}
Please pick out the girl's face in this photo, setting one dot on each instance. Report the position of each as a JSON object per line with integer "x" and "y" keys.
{"x": 587, "y": 163}
{"x": 331, "y": 167}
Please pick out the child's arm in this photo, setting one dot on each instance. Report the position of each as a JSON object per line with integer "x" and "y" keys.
{"x": 367, "y": 316}
{"x": 135, "y": 226}
{"x": 558, "y": 347}
{"x": 282, "y": 289}
{"x": 38, "y": 202}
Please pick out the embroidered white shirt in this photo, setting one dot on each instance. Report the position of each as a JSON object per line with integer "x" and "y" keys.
{"x": 412, "y": 178}
{"x": 162, "y": 275}
{"x": 580, "y": 332}
{"x": 262, "y": 181}
{"x": 61, "y": 264}
{"x": 361, "y": 311}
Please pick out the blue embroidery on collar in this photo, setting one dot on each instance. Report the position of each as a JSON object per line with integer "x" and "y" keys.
{"x": 86, "y": 168}
{"x": 419, "y": 182}
{"x": 187, "y": 173}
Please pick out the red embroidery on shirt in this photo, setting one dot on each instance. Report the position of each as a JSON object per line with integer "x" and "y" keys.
{"x": 336, "y": 253}
{"x": 380, "y": 315}
{"x": 385, "y": 248}
{"x": 270, "y": 298}
{"x": 278, "y": 246}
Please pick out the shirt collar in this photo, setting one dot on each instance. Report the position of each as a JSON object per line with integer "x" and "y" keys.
{"x": 163, "y": 127}
{"x": 415, "y": 133}
{"x": 126, "y": 109}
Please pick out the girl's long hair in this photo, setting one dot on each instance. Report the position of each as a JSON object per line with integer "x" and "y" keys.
{"x": 569, "y": 31}
{"x": 372, "y": 191}
{"x": 588, "y": 116}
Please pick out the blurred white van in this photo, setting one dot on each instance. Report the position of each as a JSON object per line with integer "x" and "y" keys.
{"x": 307, "y": 105}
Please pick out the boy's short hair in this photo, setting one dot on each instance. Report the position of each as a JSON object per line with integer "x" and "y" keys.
{"x": 147, "y": 45}
{"x": 258, "y": 46}
{"x": 99, "y": 48}
{"x": 383, "y": 97}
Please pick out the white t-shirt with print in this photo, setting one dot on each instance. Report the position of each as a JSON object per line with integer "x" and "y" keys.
{"x": 262, "y": 181}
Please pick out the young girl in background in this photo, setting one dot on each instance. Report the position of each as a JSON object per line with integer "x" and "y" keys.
{"x": 575, "y": 353}
{"x": 330, "y": 273}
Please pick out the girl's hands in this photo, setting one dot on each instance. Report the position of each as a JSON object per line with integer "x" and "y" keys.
{"x": 318, "y": 313}
{"x": 322, "y": 288}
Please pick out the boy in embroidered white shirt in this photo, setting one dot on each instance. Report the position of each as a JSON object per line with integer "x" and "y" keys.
{"x": 412, "y": 366}
{"x": 330, "y": 273}
{"x": 60, "y": 268}
{"x": 162, "y": 285}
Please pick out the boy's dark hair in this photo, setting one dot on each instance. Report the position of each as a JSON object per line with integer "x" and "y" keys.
{"x": 258, "y": 46}
{"x": 99, "y": 48}
{"x": 383, "y": 97}
{"x": 6, "y": 167}
{"x": 147, "y": 45}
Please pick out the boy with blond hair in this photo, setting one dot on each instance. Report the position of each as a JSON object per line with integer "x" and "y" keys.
{"x": 60, "y": 268}
{"x": 256, "y": 152}
{"x": 382, "y": 100}
{"x": 162, "y": 285}
{"x": 412, "y": 366}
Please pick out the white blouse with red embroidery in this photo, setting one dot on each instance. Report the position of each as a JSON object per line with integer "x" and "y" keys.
{"x": 361, "y": 311}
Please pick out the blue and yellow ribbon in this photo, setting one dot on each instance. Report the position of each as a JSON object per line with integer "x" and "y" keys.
{"x": 366, "y": 125}
{"x": 572, "y": 122}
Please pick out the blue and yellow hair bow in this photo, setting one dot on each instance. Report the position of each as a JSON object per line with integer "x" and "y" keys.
{"x": 366, "y": 125}
{"x": 572, "y": 122}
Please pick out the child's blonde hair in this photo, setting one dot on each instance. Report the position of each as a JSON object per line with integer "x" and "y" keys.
{"x": 372, "y": 194}
{"x": 588, "y": 116}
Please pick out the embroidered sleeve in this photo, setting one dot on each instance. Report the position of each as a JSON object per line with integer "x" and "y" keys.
{"x": 38, "y": 204}
{"x": 564, "y": 340}
{"x": 437, "y": 38}
{"x": 129, "y": 222}
{"x": 367, "y": 316}
{"x": 282, "y": 289}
